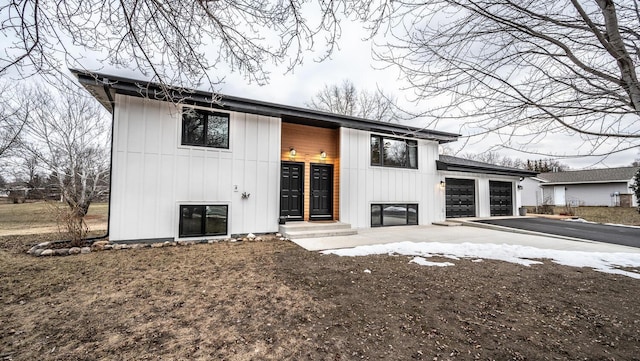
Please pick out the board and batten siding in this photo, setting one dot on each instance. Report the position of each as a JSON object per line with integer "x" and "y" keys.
{"x": 152, "y": 173}
{"x": 362, "y": 184}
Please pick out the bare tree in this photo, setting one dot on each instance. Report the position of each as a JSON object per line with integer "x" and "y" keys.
{"x": 346, "y": 99}
{"x": 493, "y": 157}
{"x": 520, "y": 69}
{"x": 12, "y": 120}
{"x": 67, "y": 134}
{"x": 168, "y": 40}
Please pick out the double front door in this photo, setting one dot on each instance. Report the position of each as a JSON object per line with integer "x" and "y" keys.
{"x": 292, "y": 198}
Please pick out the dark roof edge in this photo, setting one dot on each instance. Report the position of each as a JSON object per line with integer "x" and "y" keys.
{"x": 440, "y": 165}
{"x": 98, "y": 83}
{"x": 557, "y": 183}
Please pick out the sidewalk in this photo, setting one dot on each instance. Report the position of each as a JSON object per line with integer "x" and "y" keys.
{"x": 458, "y": 234}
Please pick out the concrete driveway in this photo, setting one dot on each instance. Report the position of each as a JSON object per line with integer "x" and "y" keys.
{"x": 626, "y": 236}
{"x": 457, "y": 234}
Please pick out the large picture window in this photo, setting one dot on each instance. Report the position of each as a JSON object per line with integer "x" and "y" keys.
{"x": 394, "y": 214}
{"x": 203, "y": 220}
{"x": 205, "y": 128}
{"x": 393, "y": 152}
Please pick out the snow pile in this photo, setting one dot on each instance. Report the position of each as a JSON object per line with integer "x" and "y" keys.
{"x": 524, "y": 255}
{"x": 581, "y": 220}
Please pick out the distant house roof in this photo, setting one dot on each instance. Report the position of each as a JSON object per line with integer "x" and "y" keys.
{"x": 604, "y": 175}
{"x": 104, "y": 88}
{"x": 450, "y": 163}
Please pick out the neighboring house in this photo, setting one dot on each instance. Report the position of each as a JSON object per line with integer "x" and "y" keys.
{"x": 596, "y": 187}
{"x": 189, "y": 167}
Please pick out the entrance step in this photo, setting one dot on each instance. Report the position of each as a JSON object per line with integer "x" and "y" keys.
{"x": 299, "y": 230}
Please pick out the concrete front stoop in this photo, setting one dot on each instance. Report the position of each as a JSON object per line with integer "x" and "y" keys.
{"x": 299, "y": 230}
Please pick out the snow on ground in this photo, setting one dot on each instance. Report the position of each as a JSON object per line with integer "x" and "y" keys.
{"x": 524, "y": 255}
{"x": 581, "y": 220}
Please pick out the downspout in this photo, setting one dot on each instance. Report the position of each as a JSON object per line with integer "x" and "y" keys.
{"x": 105, "y": 81}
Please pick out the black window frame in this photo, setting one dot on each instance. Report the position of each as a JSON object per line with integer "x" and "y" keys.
{"x": 378, "y": 151}
{"x": 203, "y": 224}
{"x": 204, "y": 114}
{"x": 381, "y": 216}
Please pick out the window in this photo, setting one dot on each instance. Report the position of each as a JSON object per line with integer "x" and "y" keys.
{"x": 394, "y": 215}
{"x": 203, "y": 220}
{"x": 205, "y": 128}
{"x": 392, "y": 152}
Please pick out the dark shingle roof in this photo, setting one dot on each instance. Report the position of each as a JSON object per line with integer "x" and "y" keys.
{"x": 104, "y": 87}
{"x": 451, "y": 163}
{"x": 605, "y": 175}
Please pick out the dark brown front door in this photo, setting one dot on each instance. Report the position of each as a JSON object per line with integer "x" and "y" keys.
{"x": 292, "y": 190}
{"x": 321, "y": 205}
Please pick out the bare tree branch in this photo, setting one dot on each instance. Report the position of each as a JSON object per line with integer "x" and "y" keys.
{"x": 520, "y": 70}
{"x": 348, "y": 100}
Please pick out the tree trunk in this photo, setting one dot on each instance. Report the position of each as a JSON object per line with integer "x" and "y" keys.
{"x": 619, "y": 52}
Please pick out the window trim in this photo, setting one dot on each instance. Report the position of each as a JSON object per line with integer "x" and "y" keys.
{"x": 203, "y": 223}
{"x": 381, "y": 205}
{"x": 381, "y": 139}
{"x": 207, "y": 111}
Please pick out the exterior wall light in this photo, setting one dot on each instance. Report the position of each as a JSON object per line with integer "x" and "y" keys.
{"x": 323, "y": 154}
{"x": 292, "y": 152}
{"x": 442, "y": 184}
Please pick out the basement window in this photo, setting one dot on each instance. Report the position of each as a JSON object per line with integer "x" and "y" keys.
{"x": 203, "y": 220}
{"x": 205, "y": 128}
{"x": 396, "y": 214}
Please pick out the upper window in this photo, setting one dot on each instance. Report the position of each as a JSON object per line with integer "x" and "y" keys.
{"x": 205, "y": 128}
{"x": 393, "y": 152}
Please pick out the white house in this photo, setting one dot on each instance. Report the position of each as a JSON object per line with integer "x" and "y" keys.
{"x": 595, "y": 187}
{"x": 184, "y": 167}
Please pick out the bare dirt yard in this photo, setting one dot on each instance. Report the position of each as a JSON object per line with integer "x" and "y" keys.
{"x": 275, "y": 301}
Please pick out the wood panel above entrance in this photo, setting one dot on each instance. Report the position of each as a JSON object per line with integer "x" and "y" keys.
{"x": 308, "y": 143}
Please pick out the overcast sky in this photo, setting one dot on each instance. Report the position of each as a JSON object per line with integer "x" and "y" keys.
{"x": 353, "y": 61}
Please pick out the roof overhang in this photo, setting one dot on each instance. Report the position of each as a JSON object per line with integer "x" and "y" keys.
{"x": 452, "y": 167}
{"x": 104, "y": 88}
{"x": 584, "y": 182}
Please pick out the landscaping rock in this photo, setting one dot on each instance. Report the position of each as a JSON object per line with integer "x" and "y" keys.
{"x": 85, "y": 250}
{"x": 61, "y": 252}
{"x": 46, "y": 252}
{"x": 108, "y": 247}
{"x": 38, "y": 252}
{"x": 251, "y": 236}
{"x": 99, "y": 245}
{"x": 157, "y": 245}
{"x": 74, "y": 250}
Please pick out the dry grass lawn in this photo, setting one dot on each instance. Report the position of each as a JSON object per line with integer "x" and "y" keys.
{"x": 275, "y": 301}
{"x": 39, "y": 217}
